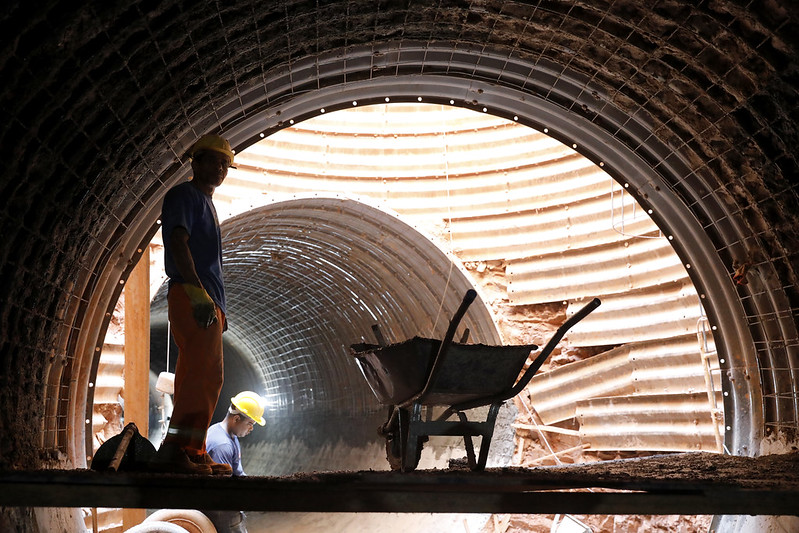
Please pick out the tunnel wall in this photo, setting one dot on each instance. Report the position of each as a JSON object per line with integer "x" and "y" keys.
{"x": 99, "y": 104}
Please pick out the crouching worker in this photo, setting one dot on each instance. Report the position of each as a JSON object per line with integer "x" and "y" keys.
{"x": 222, "y": 444}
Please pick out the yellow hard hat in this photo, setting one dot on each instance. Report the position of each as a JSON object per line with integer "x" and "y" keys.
{"x": 250, "y": 404}
{"x": 214, "y": 143}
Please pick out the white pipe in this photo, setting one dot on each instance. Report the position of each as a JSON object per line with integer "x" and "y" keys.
{"x": 156, "y": 527}
{"x": 189, "y": 520}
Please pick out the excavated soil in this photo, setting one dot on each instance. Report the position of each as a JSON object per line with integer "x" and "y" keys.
{"x": 777, "y": 472}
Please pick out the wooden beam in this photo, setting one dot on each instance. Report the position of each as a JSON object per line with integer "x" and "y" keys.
{"x": 136, "y": 389}
{"x": 551, "y": 429}
{"x": 536, "y": 491}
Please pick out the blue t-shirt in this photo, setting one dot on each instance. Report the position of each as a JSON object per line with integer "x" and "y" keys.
{"x": 188, "y": 207}
{"x": 224, "y": 447}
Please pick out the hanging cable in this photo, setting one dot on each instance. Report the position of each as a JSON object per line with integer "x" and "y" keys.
{"x": 449, "y": 229}
{"x": 167, "y": 344}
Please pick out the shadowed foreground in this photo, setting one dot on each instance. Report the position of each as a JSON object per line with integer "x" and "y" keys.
{"x": 696, "y": 483}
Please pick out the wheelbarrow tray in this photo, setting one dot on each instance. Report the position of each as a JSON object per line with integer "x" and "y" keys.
{"x": 398, "y": 372}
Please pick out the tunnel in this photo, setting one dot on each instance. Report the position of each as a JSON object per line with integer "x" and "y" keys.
{"x": 307, "y": 278}
{"x": 690, "y": 106}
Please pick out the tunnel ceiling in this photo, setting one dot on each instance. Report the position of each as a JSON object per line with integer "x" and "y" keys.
{"x": 100, "y": 102}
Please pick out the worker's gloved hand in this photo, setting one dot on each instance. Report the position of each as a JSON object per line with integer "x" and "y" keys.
{"x": 202, "y": 305}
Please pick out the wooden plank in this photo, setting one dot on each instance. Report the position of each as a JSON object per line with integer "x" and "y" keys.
{"x": 692, "y": 485}
{"x": 136, "y": 389}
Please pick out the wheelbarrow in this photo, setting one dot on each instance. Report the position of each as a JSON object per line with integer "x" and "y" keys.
{"x": 415, "y": 376}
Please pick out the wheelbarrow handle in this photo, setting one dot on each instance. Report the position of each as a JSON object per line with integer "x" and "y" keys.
{"x": 582, "y": 313}
{"x": 534, "y": 366}
{"x": 538, "y": 361}
{"x": 468, "y": 298}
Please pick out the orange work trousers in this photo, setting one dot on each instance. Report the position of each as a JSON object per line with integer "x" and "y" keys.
{"x": 199, "y": 373}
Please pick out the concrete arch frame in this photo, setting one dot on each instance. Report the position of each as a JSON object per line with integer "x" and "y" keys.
{"x": 100, "y": 101}
{"x": 560, "y": 103}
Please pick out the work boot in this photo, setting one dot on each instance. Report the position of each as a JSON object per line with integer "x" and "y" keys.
{"x": 217, "y": 469}
{"x": 171, "y": 458}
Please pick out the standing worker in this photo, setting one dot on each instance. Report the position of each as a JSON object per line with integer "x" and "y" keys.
{"x": 246, "y": 409}
{"x": 196, "y": 300}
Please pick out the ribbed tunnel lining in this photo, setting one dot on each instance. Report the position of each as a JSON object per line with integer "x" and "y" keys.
{"x": 307, "y": 278}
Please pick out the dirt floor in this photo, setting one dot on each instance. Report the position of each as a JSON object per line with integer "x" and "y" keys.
{"x": 706, "y": 473}
{"x": 777, "y": 472}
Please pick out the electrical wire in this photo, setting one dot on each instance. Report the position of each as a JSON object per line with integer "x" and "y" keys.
{"x": 449, "y": 230}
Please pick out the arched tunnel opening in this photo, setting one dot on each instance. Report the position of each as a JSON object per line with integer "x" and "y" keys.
{"x": 309, "y": 267}
{"x": 690, "y": 107}
{"x": 314, "y": 441}
{"x": 331, "y": 267}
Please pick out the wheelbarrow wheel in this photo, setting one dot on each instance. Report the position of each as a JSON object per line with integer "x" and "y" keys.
{"x": 397, "y": 442}
{"x": 395, "y": 439}
{"x": 410, "y": 467}
{"x": 393, "y": 453}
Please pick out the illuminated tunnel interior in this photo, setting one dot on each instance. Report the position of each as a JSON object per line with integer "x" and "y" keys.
{"x": 305, "y": 279}
{"x": 306, "y": 272}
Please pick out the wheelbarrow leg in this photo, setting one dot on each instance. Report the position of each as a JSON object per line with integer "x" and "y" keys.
{"x": 395, "y": 432}
{"x": 467, "y": 440}
{"x": 485, "y": 430}
{"x": 485, "y": 443}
